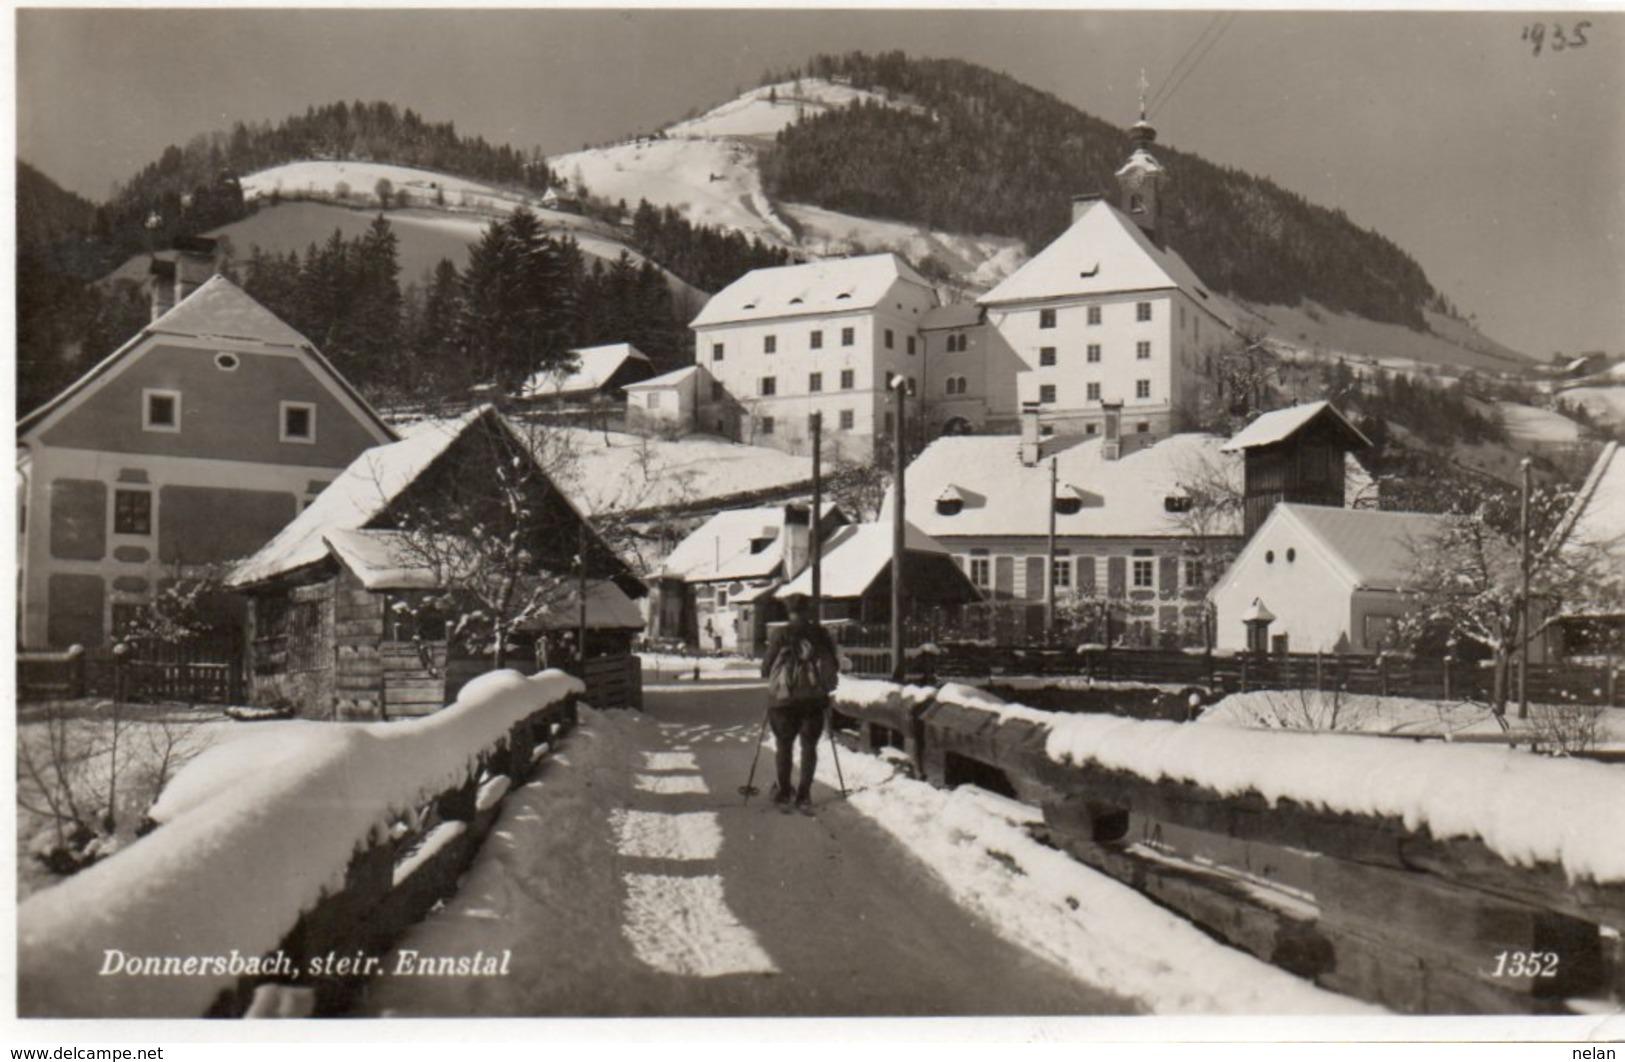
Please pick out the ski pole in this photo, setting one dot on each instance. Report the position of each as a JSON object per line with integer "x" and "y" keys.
{"x": 834, "y": 748}
{"x": 749, "y": 788}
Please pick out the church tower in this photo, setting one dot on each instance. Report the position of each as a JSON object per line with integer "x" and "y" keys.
{"x": 1140, "y": 180}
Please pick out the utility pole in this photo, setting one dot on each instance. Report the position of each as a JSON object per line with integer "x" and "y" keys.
{"x": 899, "y": 386}
{"x": 1523, "y": 595}
{"x": 814, "y": 535}
{"x": 581, "y": 604}
{"x": 1049, "y": 576}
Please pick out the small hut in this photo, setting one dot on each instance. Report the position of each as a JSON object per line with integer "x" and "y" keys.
{"x": 355, "y": 607}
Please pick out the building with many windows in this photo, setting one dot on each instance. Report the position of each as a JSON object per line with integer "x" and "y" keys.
{"x": 192, "y": 444}
{"x": 822, "y": 337}
{"x": 1106, "y": 314}
{"x": 1130, "y": 526}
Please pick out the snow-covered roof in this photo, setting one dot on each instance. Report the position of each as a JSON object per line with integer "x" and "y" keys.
{"x": 1280, "y": 424}
{"x": 1596, "y": 517}
{"x": 382, "y": 560}
{"x": 1102, "y": 253}
{"x": 854, "y": 557}
{"x": 607, "y": 609}
{"x": 838, "y": 285}
{"x": 1002, "y": 496}
{"x": 733, "y": 544}
{"x": 361, "y": 492}
{"x": 1373, "y": 550}
{"x": 594, "y": 368}
{"x": 664, "y": 380}
{"x": 220, "y": 308}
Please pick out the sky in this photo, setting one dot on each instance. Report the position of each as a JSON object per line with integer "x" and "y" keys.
{"x": 1501, "y": 171}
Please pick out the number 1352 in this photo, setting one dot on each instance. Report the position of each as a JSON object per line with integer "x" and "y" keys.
{"x": 1525, "y": 964}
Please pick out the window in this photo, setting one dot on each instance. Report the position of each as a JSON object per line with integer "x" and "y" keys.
{"x": 1093, "y": 392}
{"x": 848, "y": 336}
{"x": 654, "y": 400}
{"x": 160, "y": 410}
{"x": 1145, "y": 573}
{"x": 1046, "y": 356}
{"x": 226, "y": 361}
{"x": 1061, "y": 577}
{"x": 815, "y": 381}
{"x": 1195, "y": 573}
{"x": 132, "y": 512}
{"x": 1046, "y": 318}
{"x": 767, "y": 425}
{"x": 1142, "y": 349}
{"x": 981, "y": 569}
{"x": 1046, "y": 394}
{"x": 816, "y": 341}
{"x": 298, "y": 422}
{"x": 957, "y": 385}
{"x": 848, "y": 379}
{"x": 716, "y": 351}
{"x": 770, "y": 385}
{"x": 1142, "y": 311}
{"x": 1094, "y": 352}
{"x": 889, "y": 342}
{"x": 958, "y": 343}
{"x": 1143, "y": 428}
{"x": 1094, "y": 315}
{"x": 1142, "y": 388}
{"x": 718, "y": 392}
{"x": 846, "y": 420}
{"x": 770, "y": 344}
{"x": 910, "y": 340}
{"x": 1091, "y": 428}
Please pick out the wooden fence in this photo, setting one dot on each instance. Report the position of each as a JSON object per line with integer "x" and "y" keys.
{"x": 614, "y": 681}
{"x": 1396, "y": 676}
{"x": 202, "y": 673}
{"x": 1361, "y": 904}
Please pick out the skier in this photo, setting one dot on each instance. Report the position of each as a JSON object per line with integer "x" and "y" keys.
{"x": 801, "y": 669}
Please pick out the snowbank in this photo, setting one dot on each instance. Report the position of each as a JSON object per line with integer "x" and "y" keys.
{"x": 1351, "y": 712}
{"x": 963, "y": 696}
{"x": 878, "y": 693}
{"x": 254, "y": 832}
{"x": 1525, "y": 809}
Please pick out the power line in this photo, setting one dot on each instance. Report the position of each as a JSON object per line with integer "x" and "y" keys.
{"x": 1195, "y": 63}
{"x": 1174, "y": 72}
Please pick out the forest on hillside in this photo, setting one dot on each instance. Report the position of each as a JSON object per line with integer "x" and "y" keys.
{"x": 991, "y": 155}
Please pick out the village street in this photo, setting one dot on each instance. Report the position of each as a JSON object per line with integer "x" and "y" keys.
{"x": 630, "y": 879}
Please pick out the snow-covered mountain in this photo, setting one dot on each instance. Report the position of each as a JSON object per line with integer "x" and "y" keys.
{"x": 708, "y": 168}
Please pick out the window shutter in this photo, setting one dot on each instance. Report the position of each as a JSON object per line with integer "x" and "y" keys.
{"x": 1168, "y": 577}
{"x": 1086, "y": 575}
{"x": 1116, "y": 576}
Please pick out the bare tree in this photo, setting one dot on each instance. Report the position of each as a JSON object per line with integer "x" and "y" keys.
{"x": 1209, "y": 506}
{"x": 859, "y": 488}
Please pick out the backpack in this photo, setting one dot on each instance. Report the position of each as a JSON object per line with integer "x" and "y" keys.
{"x": 803, "y": 670}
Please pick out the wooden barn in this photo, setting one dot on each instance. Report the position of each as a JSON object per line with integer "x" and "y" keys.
{"x": 1297, "y": 455}
{"x": 352, "y": 607}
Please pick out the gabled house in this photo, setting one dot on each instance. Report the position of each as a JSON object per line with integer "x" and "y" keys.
{"x": 598, "y": 371}
{"x": 1593, "y": 532}
{"x": 1129, "y": 525}
{"x": 715, "y": 582}
{"x": 855, "y": 577}
{"x": 341, "y": 616}
{"x": 821, "y": 337}
{"x": 192, "y": 444}
{"x": 668, "y": 401}
{"x": 1108, "y": 314}
{"x": 1320, "y": 579}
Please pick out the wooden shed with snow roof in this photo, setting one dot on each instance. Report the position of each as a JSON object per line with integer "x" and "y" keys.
{"x": 349, "y": 611}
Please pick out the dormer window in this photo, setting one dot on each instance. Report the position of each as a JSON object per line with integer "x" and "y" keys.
{"x": 950, "y": 506}
{"x": 1177, "y": 503}
{"x": 298, "y": 422}
{"x": 844, "y": 295}
{"x": 160, "y": 410}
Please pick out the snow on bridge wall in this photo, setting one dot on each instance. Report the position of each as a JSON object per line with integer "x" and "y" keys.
{"x": 1398, "y": 871}
{"x": 257, "y": 835}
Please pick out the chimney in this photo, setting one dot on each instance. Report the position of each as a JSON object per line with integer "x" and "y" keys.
{"x": 1111, "y": 446}
{"x": 177, "y": 273}
{"x": 1029, "y": 434}
{"x": 1081, "y": 203}
{"x": 797, "y": 539}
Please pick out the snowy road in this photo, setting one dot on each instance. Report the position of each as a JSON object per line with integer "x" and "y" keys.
{"x": 628, "y": 880}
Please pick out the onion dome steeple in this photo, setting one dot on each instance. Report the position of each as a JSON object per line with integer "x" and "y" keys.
{"x": 1140, "y": 180}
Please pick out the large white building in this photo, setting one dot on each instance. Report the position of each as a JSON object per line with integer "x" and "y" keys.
{"x": 1106, "y": 320}
{"x": 825, "y": 337}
